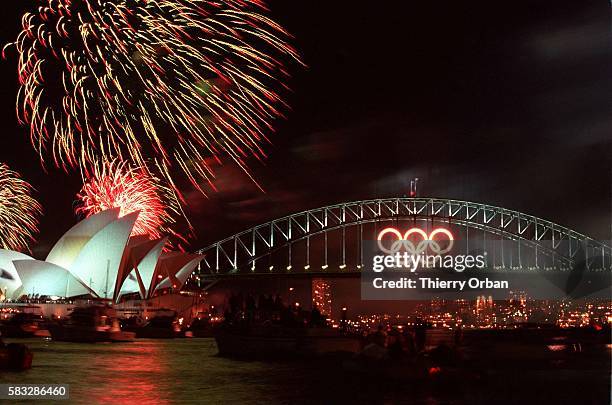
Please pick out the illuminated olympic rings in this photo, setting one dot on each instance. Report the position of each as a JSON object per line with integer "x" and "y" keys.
{"x": 424, "y": 242}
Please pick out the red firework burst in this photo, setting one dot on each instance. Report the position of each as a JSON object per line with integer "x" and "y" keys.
{"x": 115, "y": 184}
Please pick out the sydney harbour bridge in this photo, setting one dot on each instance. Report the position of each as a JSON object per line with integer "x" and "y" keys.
{"x": 331, "y": 240}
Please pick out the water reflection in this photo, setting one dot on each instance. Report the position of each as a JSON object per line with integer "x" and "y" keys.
{"x": 188, "y": 371}
{"x": 133, "y": 373}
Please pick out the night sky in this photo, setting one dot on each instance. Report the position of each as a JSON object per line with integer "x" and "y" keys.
{"x": 505, "y": 103}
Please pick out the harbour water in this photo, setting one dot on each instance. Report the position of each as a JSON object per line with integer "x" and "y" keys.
{"x": 188, "y": 371}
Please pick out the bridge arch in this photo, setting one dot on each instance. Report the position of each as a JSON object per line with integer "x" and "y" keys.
{"x": 244, "y": 252}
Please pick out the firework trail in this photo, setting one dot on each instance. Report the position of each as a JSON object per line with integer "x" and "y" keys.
{"x": 165, "y": 81}
{"x": 116, "y": 184}
{"x": 18, "y": 211}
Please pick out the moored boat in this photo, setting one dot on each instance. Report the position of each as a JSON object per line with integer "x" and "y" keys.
{"x": 201, "y": 326}
{"x": 15, "y": 356}
{"x": 24, "y": 324}
{"x": 163, "y": 325}
{"x": 95, "y": 323}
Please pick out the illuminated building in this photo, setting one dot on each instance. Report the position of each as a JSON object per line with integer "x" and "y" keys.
{"x": 322, "y": 296}
{"x": 97, "y": 257}
{"x": 518, "y": 298}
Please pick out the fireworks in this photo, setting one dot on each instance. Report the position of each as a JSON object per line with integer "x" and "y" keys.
{"x": 115, "y": 184}
{"x": 18, "y": 211}
{"x": 165, "y": 81}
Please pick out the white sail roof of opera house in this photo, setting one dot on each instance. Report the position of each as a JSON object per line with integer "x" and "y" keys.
{"x": 177, "y": 268}
{"x": 98, "y": 257}
{"x": 146, "y": 268}
{"x": 69, "y": 246}
{"x": 130, "y": 285}
{"x": 9, "y": 278}
{"x": 97, "y": 264}
{"x": 139, "y": 264}
{"x": 43, "y": 278}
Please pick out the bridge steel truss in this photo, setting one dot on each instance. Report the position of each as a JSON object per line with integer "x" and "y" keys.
{"x": 239, "y": 253}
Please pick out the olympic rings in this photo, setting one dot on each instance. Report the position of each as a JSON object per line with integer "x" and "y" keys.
{"x": 425, "y": 242}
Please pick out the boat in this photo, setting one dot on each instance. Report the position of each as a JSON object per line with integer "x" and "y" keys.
{"x": 91, "y": 324}
{"x": 439, "y": 363}
{"x": 163, "y": 325}
{"x": 15, "y": 357}
{"x": 200, "y": 327}
{"x": 278, "y": 341}
{"x": 25, "y": 324}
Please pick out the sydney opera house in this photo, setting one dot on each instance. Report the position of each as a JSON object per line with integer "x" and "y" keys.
{"x": 98, "y": 258}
